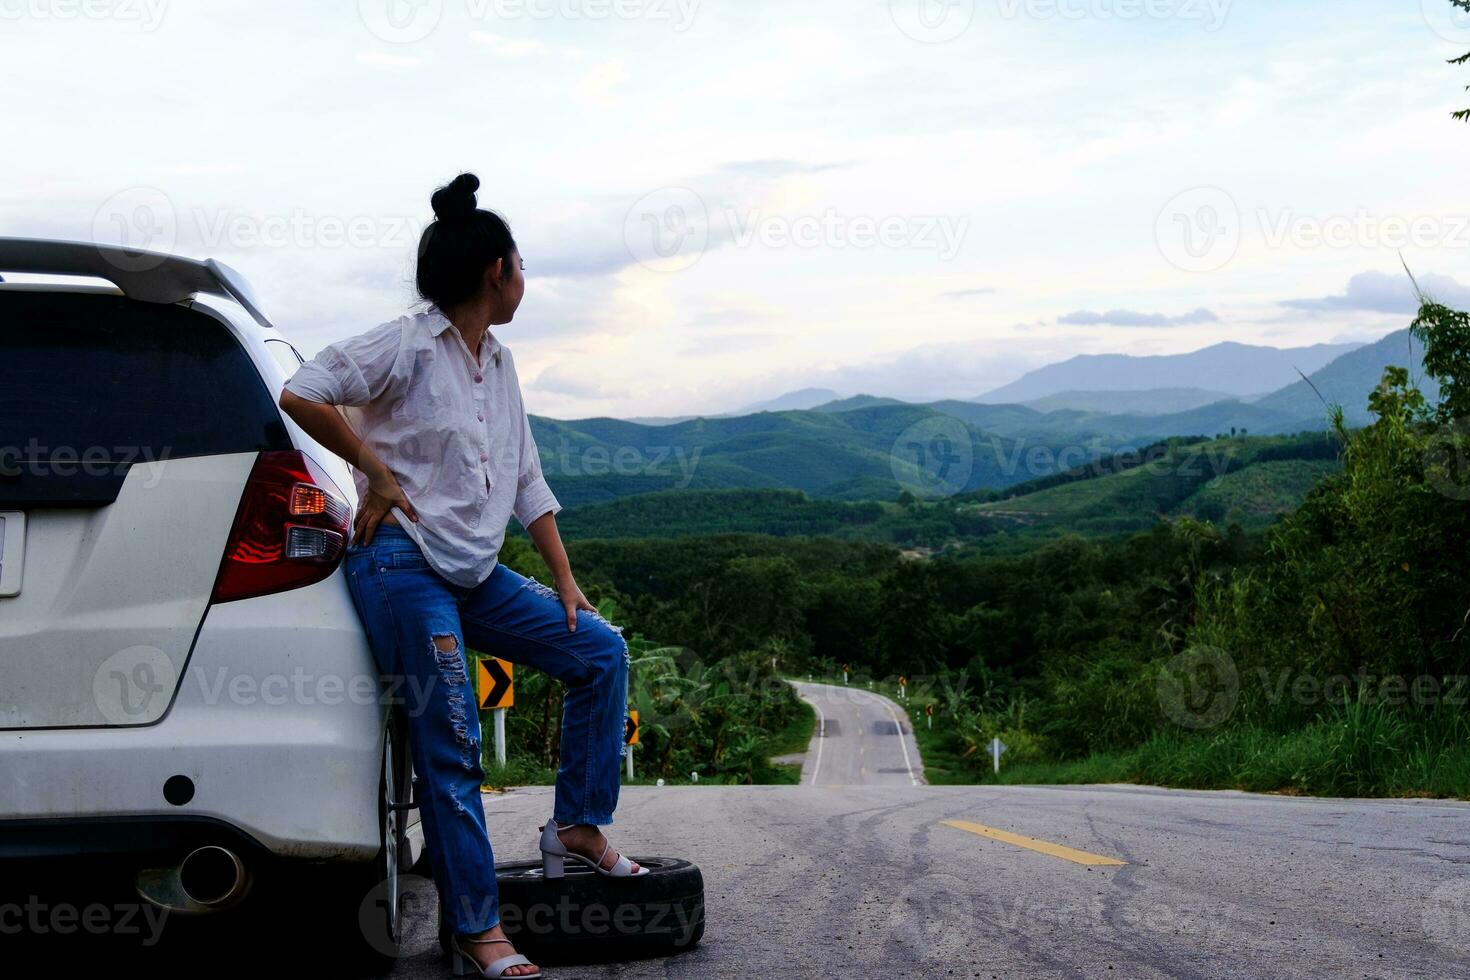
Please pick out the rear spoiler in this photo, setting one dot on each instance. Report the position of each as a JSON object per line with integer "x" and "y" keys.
{"x": 150, "y": 277}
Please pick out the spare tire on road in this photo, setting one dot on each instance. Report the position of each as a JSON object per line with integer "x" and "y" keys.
{"x": 586, "y": 917}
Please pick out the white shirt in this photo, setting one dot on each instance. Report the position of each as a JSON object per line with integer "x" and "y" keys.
{"x": 454, "y": 432}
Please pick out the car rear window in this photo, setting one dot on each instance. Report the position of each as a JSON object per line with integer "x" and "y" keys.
{"x": 91, "y": 384}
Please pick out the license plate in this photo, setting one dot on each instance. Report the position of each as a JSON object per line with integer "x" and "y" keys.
{"x": 12, "y": 551}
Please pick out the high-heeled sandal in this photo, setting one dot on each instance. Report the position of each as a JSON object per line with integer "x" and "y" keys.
{"x": 465, "y": 965}
{"x": 554, "y": 854}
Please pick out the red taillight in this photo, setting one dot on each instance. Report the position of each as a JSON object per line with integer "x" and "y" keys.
{"x": 290, "y": 531}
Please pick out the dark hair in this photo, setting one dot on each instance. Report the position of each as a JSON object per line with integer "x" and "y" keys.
{"x": 460, "y": 244}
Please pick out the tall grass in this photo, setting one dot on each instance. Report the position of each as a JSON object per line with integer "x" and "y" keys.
{"x": 1356, "y": 750}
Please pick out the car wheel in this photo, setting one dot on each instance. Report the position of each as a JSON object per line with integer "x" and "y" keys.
{"x": 366, "y": 900}
{"x": 585, "y": 917}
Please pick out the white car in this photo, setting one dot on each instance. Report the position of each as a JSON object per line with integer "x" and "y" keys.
{"x": 185, "y": 687}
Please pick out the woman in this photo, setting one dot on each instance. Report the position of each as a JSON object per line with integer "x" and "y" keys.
{"x": 428, "y": 409}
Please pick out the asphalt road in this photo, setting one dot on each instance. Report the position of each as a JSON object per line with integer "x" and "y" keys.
{"x": 858, "y": 875}
{"x": 862, "y": 739}
{"x": 861, "y": 872}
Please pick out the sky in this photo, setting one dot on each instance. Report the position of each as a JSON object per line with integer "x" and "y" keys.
{"x": 719, "y": 201}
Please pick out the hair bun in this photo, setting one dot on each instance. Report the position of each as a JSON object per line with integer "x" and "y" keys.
{"x": 456, "y": 200}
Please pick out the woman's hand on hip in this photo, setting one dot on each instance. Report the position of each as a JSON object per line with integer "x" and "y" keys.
{"x": 383, "y": 495}
{"x": 572, "y": 600}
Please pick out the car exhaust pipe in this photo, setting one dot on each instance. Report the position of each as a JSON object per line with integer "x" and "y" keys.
{"x": 208, "y": 879}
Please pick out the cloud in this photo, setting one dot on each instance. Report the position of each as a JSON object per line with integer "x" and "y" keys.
{"x": 587, "y": 260}
{"x": 932, "y": 372}
{"x": 1382, "y": 292}
{"x": 597, "y": 87}
{"x": 726, "y": 317}
{"x": 381, "y": 59}
{"x": 561, "y": 379}
{"x": 968, "y": 293}
{"x": 504, "y": 47}
{"x": 1132, "y": 318}
{"x": 727, "y": 343}
{"x": 781, "y": 168}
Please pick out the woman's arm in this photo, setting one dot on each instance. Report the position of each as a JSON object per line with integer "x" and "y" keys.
{"x": 547, "y": 539}
{"x": 327, "y": 426}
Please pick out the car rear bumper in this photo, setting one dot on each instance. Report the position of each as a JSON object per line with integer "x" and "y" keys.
{"x": 277, "y": 727}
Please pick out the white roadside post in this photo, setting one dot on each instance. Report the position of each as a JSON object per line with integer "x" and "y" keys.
{"x": 500, "y": 736}
{"x": 629, "y": 750}
{"x": 996, "y": 748}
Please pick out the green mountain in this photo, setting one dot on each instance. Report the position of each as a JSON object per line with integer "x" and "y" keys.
{"x": 870, "y": 453}
{"x": 856, "y": 402}
{"x": 1244, "y": 480}
{"x": 1349, "y": 380}
{"x": 1153, "y": 401}
{"x": 774, "y": 513}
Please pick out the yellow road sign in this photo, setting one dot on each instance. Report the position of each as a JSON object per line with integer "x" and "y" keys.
{"x": 631, "y": 735}
{"x": 496, "y": 687}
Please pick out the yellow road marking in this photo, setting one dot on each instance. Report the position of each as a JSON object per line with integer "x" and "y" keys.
{"x": 1041, "y": 846}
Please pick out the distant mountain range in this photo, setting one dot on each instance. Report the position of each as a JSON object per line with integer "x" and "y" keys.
{"x": 861, "y": 448}
{"x": 1239, "y": 370}
{"x": 793, "y": 401}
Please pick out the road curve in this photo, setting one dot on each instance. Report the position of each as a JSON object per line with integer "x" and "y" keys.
{"x": 862, "y": 739}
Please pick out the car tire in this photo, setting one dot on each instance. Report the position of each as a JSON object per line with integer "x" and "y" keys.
{"x": 585, "y": 917}
{"x": 364, "y": 902}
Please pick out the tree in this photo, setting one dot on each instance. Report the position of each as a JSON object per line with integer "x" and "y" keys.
{"x": 1464, "y": 114}
{"x": 1445, "y": 334}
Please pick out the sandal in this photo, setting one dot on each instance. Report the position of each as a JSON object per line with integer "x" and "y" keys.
{"x": 465, "y": 965}
{"x": 554, "y": 854}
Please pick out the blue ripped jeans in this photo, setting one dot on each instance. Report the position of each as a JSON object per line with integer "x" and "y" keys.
{"x": 406, "y": 607}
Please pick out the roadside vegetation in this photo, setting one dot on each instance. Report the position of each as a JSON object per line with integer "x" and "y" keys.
{"x": 723, "y": 721}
